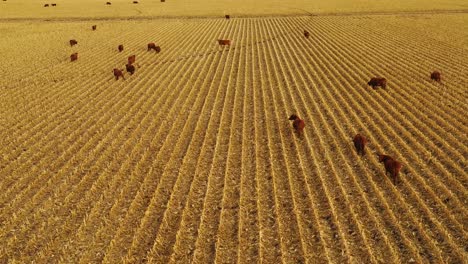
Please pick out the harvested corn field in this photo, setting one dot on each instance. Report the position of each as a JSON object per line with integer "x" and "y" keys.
{"x": 193, "y": 158}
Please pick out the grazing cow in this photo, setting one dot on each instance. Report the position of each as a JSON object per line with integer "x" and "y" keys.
{"x": 391, "y": 166}
{"x": 46, "y": 5}
{"x": 306, "y": 34}
{"x": 131, "y": 59}
{"x": 120, "y": 48}
{"x": 153, "y": 46}
{"x": 108, "y": 3}
{"x": 163, "y": 1}
{"x": 378, "y": 81}
{"x": 227, "y": 16}
{"x": 298, "y": 124}
{"x": 130, "y": 68}
{"x": 94, "y": 27}
{"x": 118, "y": 73}
{"x": 360, "y": 144}
{"x": 74, "y": 56}
{"x": 54, "y": 4}
{"x": 73, "y": 42}
{"x": 223, "y": 42}
{"x": 435, "y": 76}
{"x": 135, "y": 2}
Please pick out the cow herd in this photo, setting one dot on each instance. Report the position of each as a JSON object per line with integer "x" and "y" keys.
{"x": 391, "y": 165}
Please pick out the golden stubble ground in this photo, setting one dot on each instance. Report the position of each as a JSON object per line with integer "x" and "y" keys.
{"x": 192, "y": 158}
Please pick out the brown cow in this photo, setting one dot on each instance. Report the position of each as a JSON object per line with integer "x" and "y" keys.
{"x": 306, "y": 34}
{"x": 163, "y": 1}
{"x": 46, "y": 5}
{"x": 153, "y": 46}
{"x": 54, "y": 4}
{"x": 94, "y": 27}
{"x": 135, "y": 2}
{"x": 130, "y": 68}
{"x": 223, "y": 42}
{"x": 120, "y": 48}
{"x": 131, "y": 59}
{"x": 360, "y": 144}
{"x": 435, "y": 75}
{"x": 108, "y": 3}
{"x": 378, "y": 81}
{"x": 298, "y": 124}
{"x": 391, "y": 166}
{"x": 227, "y": 16}
{"x": 118, "y": 73}
{"x": 73, "y": 42}
{"x": 74, "y": 56}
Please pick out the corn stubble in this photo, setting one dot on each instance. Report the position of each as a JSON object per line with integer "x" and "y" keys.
{"x": 193, "y": 159}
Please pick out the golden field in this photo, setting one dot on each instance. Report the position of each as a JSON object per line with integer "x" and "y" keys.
{"x": 97, "y": 9}
{"x": 193, "y": 160}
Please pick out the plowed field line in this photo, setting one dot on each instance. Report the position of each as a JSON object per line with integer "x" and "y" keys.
{"x": 248, "y": 249}
{"x": 269, "y": 246}
{"x": 228, "y": 231}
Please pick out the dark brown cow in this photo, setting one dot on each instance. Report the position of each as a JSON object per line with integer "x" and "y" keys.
{"x": 108, "y": 3}
{"x": 298, "y": 124}
{"x": 135, "y": 2}
{"x": 378, "y": 81}
{"x": 227, "y": 16}
{"x": 153, "y": 46}
{"x": 306, "y": 34}
{"x": 391, "y": 166}
{"x": 163, "y": 1}
{"x": 130, "y": 68}
{"x": 435, "y": 75}
{"x": 223, "y": 42}
{"x": 54, "y": 4}
{"x": 74, "y": 56}
{"x": 118, "y": 73}
{"x": 94, "y": 27}
{"x": 360, "y": 144}
{"x": 120, "y": 48}
{"x": 73, "y": 42}
{"x": 46, "y": 5}
{"x": 131, "y": 59}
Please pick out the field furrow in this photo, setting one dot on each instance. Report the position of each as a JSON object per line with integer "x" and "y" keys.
{"x": 248, "y": 249}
